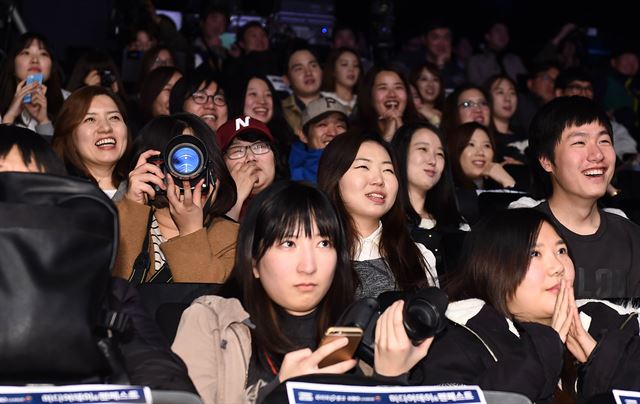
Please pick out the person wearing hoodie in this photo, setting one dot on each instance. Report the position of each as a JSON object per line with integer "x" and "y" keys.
{"x": 323, "y": 120}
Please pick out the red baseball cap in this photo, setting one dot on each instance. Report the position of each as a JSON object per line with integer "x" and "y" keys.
{"x": 232, "y": 128}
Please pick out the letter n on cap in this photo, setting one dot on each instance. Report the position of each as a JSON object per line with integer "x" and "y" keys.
{"x": 244, "y": 123}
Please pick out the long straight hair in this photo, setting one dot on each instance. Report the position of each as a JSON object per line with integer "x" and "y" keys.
{"x": 283, "y": 209}
{"x": 458, "y": 141}
{"x": 401, "y": 254}
{"x": 9, "y": 83}
{"x": 440, "y": 200}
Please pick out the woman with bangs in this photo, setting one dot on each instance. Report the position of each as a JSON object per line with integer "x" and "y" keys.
{"x": 92, "y": 139}
{"x": 291, "y": 273}
{"x": 384, "y": 102}
{"x": 30, "y": 55}
{"x": 427, "y": 80}
{"x": 515, "y": 325}
{"x": 173, "y": 232}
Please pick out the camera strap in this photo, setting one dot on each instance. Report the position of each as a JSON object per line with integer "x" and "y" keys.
{"x": 142, "y": 262}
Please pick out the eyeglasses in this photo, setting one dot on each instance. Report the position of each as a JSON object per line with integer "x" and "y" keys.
{"x": 472, "y": 104}
{"x": 238, "y": 152}
{"x": 202, "y": 98}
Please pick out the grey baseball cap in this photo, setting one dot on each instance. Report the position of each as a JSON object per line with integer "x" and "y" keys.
{"x": 322, "y": 107}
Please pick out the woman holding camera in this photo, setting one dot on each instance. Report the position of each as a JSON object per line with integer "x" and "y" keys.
{"x": 179, "y": 225}
{"x": 291, "y": 273}
{"x": 358, "y": 172}
{"x": 96, "y": 68}
{"x": 519, "y": 313}
{"x": 29, "y": 57}
{"x": 91, "y": 137}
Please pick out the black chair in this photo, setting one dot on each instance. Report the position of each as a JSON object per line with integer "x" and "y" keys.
{"x": 166, "y": 301}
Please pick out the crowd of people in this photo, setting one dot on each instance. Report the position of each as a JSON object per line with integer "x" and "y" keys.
{"x": 330, "y": 179}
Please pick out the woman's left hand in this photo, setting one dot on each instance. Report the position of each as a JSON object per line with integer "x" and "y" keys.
{"x": 38, "y": 106}
{"x": 185, "y": 208}
{"x": 394, "y": 352}
{"x": 496, "y": 172}
{"x": 579, "y": 342}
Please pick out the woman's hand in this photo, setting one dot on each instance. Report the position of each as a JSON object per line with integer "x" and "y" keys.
{"x": 391, "y": 120}
{"x": 394, "y": 352}
{"x": 143, "y": 178}
{"x": 579, "y": 341}
{"x": 186, "y": 206}
{"x": 92, "y": 78}
{"x": 496, "y": 172}
{"x": 38, "y": 106}
{"x": 305, "y": 361}
{"x": 16, "y": 106}
{"x": 245, "y": 175}
{"x": 562, "y": 319}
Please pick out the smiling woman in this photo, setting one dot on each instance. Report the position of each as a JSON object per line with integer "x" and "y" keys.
{"x": 92, "y": 138}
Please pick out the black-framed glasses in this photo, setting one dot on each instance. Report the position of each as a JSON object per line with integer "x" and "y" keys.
{"x": 202, "y": 98}
{"x": 468, "y": 104}
{"x": 238, "y": 152}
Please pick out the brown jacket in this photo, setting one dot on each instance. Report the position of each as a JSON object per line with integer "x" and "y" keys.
{"x": 203, "y": 256}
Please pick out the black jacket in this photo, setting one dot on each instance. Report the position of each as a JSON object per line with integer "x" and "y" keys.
{"x": 480, "y": 346}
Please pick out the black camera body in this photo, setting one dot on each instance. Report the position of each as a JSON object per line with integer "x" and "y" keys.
{"x": 423, "y": 316}
{"x": 107, "y": 77}
{"x": 185, "y": 159}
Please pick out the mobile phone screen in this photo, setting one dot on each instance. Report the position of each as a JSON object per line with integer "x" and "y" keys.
{"x": 32, "y": 78}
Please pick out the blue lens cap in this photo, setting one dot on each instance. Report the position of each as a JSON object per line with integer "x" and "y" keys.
{"x": 185, "y": 160}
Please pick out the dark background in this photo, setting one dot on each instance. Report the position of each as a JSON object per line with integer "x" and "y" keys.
{"x": 73, "y": 24}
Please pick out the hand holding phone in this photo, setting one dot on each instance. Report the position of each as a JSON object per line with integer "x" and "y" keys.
{"x": 354, "y": 334}
{"x": 32, "y": 78}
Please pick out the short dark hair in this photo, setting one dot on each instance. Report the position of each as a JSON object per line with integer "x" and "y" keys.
{"x": 243, "y": 30}
{"x": 441, "y": 200}
{"x": 286, "y": 208}
{"x": 296, "y": 47}
{"x": 32, "y": 148}
{"x": 570, "y": 75}
{"x": 157, "y": 133}
{"x": 187, "y": 85}
{"x": 400, "y": 252}
{"x": 495, "y": 257}
{"x": 546, "y": 130}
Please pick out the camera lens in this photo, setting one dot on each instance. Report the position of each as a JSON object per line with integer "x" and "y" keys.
{"x": 185, "y": 160}
{"x": 424, "y": 314}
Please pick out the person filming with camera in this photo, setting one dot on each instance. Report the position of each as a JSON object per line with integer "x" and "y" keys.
{"x": 172, "y": 225}
{"x": 291, "y": 281}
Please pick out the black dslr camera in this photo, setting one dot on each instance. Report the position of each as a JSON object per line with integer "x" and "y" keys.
{"x": 185, "y": 159}
{"x": 423, "y": 316}
{"x": 107, "y": 78}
